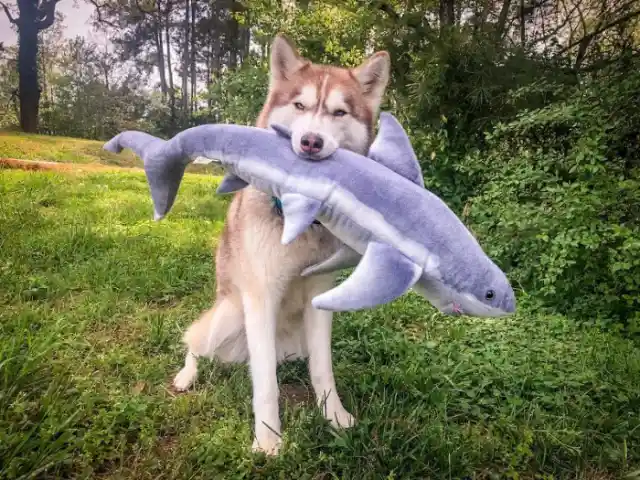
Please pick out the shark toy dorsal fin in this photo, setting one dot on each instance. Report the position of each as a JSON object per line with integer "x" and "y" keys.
{"x": 392, "y": 148}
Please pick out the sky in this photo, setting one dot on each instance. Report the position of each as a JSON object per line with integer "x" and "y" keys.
{"x": 77, "y": 21}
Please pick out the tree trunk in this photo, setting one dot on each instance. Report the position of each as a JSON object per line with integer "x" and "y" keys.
{"x": 185, "y": 59}
{"x": 208, "y": 79}
{"x": 246, "y": 43}
{"x": 29, "y": 89}
{"x": 194, "y": 80}
{"x": 216, "y": 55}
{"x": 502, "y": 19}
{"x": 172, "y": 93}
{"x": 522, "y": 24}
{"x": 447, "y": 13}
{"x": 42, "y": 50}
{"x": 160, "y": 60}
{"x": 234, "y": 38}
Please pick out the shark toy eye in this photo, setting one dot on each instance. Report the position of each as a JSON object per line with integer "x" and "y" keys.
{"x": 489, "y": 295}
{"x": 298, "y": 106}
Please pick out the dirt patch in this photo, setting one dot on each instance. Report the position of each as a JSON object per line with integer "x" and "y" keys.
{"x": 44, "y": 165}
{"x": 296, "y": 394}
{"x": 41, "y": 165}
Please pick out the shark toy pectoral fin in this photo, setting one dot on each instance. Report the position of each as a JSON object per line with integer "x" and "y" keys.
{"x": 345, "y": 257}
{"x": 163, "y": 168}
{"x": 382, "y": 275}
{"x": 299, "y": 212}
{"x": 231, "y": 183}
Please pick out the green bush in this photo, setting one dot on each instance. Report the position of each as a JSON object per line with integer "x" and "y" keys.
{"x": 559, "y": 205}
{"x": 237, "y": 96}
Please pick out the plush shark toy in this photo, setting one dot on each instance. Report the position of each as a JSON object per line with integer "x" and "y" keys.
{"x": 399, "y": 234}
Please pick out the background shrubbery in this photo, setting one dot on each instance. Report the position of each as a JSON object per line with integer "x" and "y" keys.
{"x": 559, "y": 203}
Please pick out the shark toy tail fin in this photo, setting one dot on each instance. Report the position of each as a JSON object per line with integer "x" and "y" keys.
{"x": 141, "y": 143}
{"x": 164, "y": 167}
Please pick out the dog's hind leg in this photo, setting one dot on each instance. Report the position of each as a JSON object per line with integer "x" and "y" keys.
{"x": 185, "y": 377}
{"x": 218, "y": 332}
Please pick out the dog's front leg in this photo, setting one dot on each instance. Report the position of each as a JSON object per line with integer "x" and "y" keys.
{"x": 260, "y": 323}
{"x": 318, "y": 336}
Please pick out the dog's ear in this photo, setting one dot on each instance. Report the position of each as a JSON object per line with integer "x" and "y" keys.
{"x": 373, "y": 75}
{"x": 285, "y": 59}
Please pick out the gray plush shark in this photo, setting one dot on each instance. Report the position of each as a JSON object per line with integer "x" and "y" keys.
{"x": 376, "y": 205}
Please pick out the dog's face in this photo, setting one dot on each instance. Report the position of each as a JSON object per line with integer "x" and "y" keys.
{"x": 325, "y": 107}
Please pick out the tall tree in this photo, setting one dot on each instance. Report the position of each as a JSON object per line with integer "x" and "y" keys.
{"x": 167, "y": 27}
{"x": 193, "y": 68}
{"x": 185, "y": 56}
{"x": 35, "y": 16}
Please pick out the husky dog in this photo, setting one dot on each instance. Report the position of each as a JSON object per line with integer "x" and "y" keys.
{"x": 262, "y": 312}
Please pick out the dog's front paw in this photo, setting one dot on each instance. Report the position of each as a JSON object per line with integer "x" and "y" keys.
{"x": 268, "y": 443}
{"x": 340, "y": 418}
{"x": 185, "y": 377}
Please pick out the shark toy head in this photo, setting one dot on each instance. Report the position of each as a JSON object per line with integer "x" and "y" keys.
{"x": 488, "y": 294}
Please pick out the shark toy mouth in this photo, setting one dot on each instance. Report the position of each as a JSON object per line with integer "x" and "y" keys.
{"x": 453, "y": 308}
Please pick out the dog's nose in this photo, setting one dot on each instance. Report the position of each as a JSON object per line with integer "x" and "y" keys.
{"x": 311, "y": 143}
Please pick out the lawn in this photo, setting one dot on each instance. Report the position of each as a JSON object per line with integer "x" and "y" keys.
{"x": 28, "y": 146}
{"x": 94, "y": 296}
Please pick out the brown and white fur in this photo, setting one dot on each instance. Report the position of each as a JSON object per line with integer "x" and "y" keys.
{"x": 262, "y": 313}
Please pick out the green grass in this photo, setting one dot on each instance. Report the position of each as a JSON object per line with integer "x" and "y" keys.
{"x": 94, "y": 296}
{"x": 26, "y": 146}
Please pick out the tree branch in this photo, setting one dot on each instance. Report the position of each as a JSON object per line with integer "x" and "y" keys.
{"x": 599, "y": 30}
{"x": 99, "y": 13}
{"x": 9, "y": 16}
{"x": 547, "y": 35}
{"x": 525, "y": 10}
{"x": 47, "y": 14}
{"x": 390, "y": 11}
{"x": 602, "y": 64}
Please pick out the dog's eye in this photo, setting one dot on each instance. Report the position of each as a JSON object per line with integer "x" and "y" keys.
{"x": 298, "y": 106}
{"x": 489, "y": 295}
{"x": 339, "y": 113}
